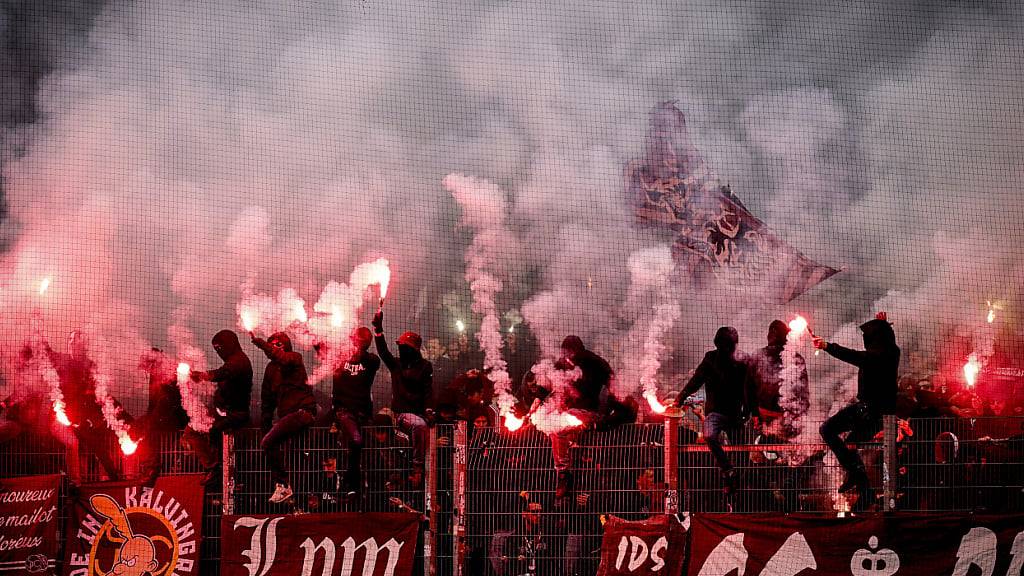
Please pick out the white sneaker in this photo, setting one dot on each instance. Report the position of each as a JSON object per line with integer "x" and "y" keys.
{"x": 281, "y": 493}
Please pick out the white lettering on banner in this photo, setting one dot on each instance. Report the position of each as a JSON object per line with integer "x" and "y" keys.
{"x": 793, "y": 557}
{"x": 979, "y": 548}
{"x": 874, "y": 562}
{"x": 349, "y": 549}
{"x": 257, "y": 564}
{"x": 640, "y": 553}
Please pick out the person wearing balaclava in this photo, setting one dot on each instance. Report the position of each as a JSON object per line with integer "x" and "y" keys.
{"x": 722, "y": 373}
{"x": 352, "y": 399}
{"x": 231, "y": 400}
{"x": 583, "y": 401}
{"x": 76, "y": 372}
{"x": 164, "y": 412}
{"x": 877, "y": 385}
{"x": 286, "y": 390}
{"x": 412, "y": 386}
{"x": 764, "y": 378}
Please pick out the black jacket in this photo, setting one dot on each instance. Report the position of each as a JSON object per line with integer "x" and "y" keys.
{"x": 285, "y": 384}
{"x": 78, "y": 386}
{"x": 233, "y": 378}
{"x": 353, "y": 385}
{"x": 597, "y": 374}
{"x": 723, "y": 377}
{"x": 164, "y": 410}
{"x": 412, "y": 380}
{"x": 878, "y": 366}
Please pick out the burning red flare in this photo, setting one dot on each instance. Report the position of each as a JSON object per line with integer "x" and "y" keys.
{"x": 512, "y": 422}
{"x": 798, "y": 325}
{"x": 184, "y": 370}
{"x": 248, "y": 319}
{"x": 971, "y": 370}
{"x": 299, "y": 310}
{"x": 128, "y": 447}
{"x": 656, "y": 406}
{"x": 43, "y": 286}
{"x": 570, "y": 421}
{"x": 60, "y": 414}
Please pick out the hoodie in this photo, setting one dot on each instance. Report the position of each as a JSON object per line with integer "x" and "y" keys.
{"x": 723, "y": 376}
{"x": 878, "y": 366}
{"x": 412, "y": 377}
{"x": 285, "y": 384}
{"x": 234, "y": 377}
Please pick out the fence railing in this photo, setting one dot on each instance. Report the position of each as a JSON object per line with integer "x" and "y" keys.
{"x": 488, "y": 496}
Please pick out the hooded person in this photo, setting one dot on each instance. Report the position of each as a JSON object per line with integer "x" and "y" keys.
{"x": 76, "y": 372}
{"x": 287, "y": 392}
{"x": 412, "y": 386}
{"x": 583, "y": 400}
{"x": 764, "y": 377}
{"x": 164, "y": 412}
{"x": 877, "y": 386}
{"x": 231, "y": 398}
{"x": 352, "y": 400}
{"x": 722, "y": 373}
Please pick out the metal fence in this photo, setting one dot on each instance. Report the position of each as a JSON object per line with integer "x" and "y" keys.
{"x": 488, "y": 496}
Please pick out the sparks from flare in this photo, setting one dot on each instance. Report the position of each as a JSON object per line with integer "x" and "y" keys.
{"x": 971, "y": 370}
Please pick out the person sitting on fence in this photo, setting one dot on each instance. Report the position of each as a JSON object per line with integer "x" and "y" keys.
{"x": 877, "y": 369}
{"x": 76, "y": 372}
{"x": 230, "y": 402}
{"x": 164, "y": 412}
{"x": 412, "y": 386}
{"x": 583, "y": 401}
{"x": 722, "y": 373}
{"x": 286, "y": 389}
{"x": 765, "y": 382}
{"x": 352, "y": 399}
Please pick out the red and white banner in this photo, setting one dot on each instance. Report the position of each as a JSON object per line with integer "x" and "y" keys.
{"x": 123, "y": 529}
{"x": 345, "y": 544}
{"x": 653, "y": 547}
{"x": 907, "y": 544}
{"x": 28, "y": 524}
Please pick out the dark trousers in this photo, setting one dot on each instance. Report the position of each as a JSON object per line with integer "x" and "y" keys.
{"x": 860, "y": 422}
{"x": 283, "y": 430}
{"x": 350, "y": 429}
{"x": 715, "y": 425}
{"x": 207, "y": 445}
{"x": 150, "y": 450}
{"x": 101, "y": 441}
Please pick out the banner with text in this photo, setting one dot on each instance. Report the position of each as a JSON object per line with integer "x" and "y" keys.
{"x": 955, "y": 544}
{"x": 126, "y": 529}
{"x": 653, "y": 547}
{"x": 344, "y": 544}
{"x": 28, "y": 524}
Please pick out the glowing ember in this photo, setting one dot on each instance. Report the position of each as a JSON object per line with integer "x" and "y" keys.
{"x": 128, "y": 447}
{"x": 58, "y": 411}
{"x": 971, "y": 370}
{"x": 798, "y": 325}
{"x": 991, "y": 316}
{"x": 570, "y": 421}
{"x": 656, "y": 406}
{"x": 183, "y": 371}
{"x": 460, "y": 326}
{"x": 337, "y": 318}
{"x": 44, "y": 285}
{"x": 513, "y": 423}
{"x": 248, "y": 320}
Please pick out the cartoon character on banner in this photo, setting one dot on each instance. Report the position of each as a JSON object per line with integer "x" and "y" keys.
{"x": 136, "y": 554}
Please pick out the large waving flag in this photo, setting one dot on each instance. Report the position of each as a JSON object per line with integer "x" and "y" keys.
{"x": 717, "y": 237}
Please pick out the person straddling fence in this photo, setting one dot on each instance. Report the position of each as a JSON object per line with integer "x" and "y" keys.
{"x": 286, "y": 390}
{"x": 164, "y": 412}
{"x": 722, "y": 373}
{"x": 352, "y": 400}
{"x": 877, "y": 371}
{"x": 412, "y": 386}
{"x": 230, "y": 402}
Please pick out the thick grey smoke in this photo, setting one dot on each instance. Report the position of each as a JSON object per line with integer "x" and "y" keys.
{"x": 194, "y": 147}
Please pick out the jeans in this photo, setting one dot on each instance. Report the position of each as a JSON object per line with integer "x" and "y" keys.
{"x": 562, "y": 440}
{"x": 348, "y": 425}
{"x": 416, "y": 428}
{"x": 272, "y": 444}
{"x": 860, "y": 422}
{"x": 715, "y": 425}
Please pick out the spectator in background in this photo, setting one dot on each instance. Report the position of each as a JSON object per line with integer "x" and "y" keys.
{"x": 286, "y": 390}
